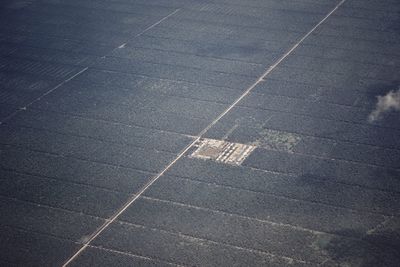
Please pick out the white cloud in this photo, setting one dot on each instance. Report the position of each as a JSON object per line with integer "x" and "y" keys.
{"x": 388, "y": 102}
